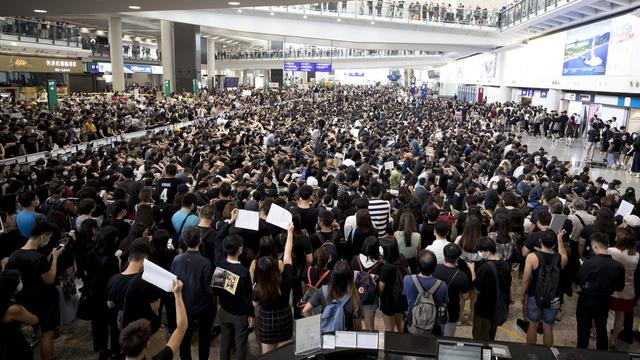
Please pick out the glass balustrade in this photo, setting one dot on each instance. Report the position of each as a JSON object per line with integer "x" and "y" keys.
{"x": 396, "y": 11}
{"x": 31, "y": 30}
{"x": 311, "y": 53}
{"x": 528, "y": 9}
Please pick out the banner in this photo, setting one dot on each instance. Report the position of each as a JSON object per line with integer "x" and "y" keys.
{"x": 586, "y": 50}
{"x": 167, "y": 88}
{"x": 623, "y": 31}
{"x": 52, "y": 94}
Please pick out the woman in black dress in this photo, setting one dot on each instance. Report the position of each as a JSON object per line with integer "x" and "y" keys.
{"x": 271, "y": 293}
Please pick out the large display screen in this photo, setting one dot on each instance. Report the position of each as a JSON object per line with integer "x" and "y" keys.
{"x": 307, "y": 66}
{"x": 586, "y": 50}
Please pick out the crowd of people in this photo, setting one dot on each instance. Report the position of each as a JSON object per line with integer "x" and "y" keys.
{"x": 401, "y": 210}
{"x": 611, "y": 140}
{"x": 312, "y": 52}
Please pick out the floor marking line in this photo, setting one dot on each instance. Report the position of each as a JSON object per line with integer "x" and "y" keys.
{"x": 522, "y": 339}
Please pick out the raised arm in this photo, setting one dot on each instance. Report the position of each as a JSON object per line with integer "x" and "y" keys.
{"x": 288, "y": 247}
{"x": 181, "y": 319}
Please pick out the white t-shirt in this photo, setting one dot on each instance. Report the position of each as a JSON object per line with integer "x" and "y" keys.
{"x": 438, "y": 249}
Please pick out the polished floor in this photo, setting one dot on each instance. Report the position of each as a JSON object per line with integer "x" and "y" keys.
{"x": 577, "y": 154}
{"x": 75, "y": 342}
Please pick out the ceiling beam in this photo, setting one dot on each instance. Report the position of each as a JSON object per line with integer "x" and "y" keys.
{"x": 601, "y": 6}
{"x": 619, "y": 2}
{"x": 587, "y": 11}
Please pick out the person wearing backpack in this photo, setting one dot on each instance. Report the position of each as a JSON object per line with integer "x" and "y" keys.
{"x": 492, "y": 281}
{"x": 427, "y": 297}
{"x": 314, "y": 277}
{"x": 338, "y": 300}
{"x": 541, "y": 279}
{"x": 393, "y": 303}
{"x": 326, "y": 237}
{"x": 367, "y": 266}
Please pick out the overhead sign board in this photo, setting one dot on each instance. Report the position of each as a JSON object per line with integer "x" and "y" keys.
{"x": 307, "y": 66}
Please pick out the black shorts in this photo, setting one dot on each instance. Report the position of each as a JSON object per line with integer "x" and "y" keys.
{"x": 49, "y": 318}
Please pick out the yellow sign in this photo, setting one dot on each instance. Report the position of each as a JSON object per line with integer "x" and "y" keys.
{"x": 39, "y": 64}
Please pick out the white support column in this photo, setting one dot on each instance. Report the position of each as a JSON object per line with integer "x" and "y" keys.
{"x": 115, "y": 49}
{"x": 211, "y": 64}
{"x": 166, "y": 47}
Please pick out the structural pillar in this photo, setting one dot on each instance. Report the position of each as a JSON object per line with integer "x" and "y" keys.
{"x": 187, "y": 66}
{"x": 167, "y": 53}
{"x": 115, "y": 50}
{"x": 211, "y": 64}
{"x": 277, "y": 75}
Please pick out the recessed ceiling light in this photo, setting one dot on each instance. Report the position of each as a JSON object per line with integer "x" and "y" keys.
{"x": 39, "y": 11}
{"x": 134, "y": 7}
{"x": 271, "y": 13}
{"x": 14, "y": 44}
{"x": 239, "y": 10}
{"x": 305, "y": 16}
{"x": 373, "y": 23}
{"x": 339, "y": 19}
{"x": 233, "y": 3}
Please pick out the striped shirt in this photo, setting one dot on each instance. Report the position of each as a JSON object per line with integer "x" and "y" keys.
{"x": 379, "y": 212}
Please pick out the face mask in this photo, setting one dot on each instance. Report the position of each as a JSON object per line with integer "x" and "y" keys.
{"x": 19, "y": 287}
{"x": 494, "y": 186}
{"x": 65, "y": 173}
{"x": 34, "y": 177}
{"x": 483, "y": 254}
{"x": 381, "y": 250}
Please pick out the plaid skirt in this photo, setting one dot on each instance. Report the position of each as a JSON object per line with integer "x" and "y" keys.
{"x": 275, "y": 326}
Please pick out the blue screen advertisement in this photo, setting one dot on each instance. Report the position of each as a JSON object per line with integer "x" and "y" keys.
{"x": 307, "y": 66}
{"x": 586, "y": 50}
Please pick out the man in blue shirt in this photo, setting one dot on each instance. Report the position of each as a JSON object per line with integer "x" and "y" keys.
{"x": 426, "y": 266}
{"x": 26, "y": 219}
{"x": 195, "y": 270}
{"x": 185, "y": 218}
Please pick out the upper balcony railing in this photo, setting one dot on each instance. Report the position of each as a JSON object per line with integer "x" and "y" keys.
{"x": 35, "y": 31}
{"x": 311, "y": 53}
{"x": 134, "y": 52}
{"x": 396, "y": 11}
{"x": 528, "y": 9}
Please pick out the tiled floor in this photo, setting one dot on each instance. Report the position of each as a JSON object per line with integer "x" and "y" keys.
{"x": 577, "y": 154}
{"x": 76, "y": 344}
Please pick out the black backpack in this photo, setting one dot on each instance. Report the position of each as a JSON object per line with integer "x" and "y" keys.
{"x": 548, "y": 282}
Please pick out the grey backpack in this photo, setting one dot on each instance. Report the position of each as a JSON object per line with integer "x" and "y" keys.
{"x": 424, "y": 314}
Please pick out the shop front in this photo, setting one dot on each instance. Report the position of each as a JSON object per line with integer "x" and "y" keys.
{"x": 138, "y": 74}
{"x": 25, "y": 77}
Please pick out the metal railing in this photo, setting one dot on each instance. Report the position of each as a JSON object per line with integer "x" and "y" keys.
{"x": 397, "y": 11}
{"x": 36, "y": 31}
{"x": 128, "y": 52}
{"x": 310, "y": 53}
{"x": 528, "y": 9}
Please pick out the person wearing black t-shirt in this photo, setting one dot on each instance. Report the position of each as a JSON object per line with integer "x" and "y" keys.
{"x": 308, "y": 214}
{"x": 29, "y": 142}
{"x": 129, "y": 294}
{"x": 489, "y": 286}
{"x": 599, "y": 277}
{"x": 134, "y": 338}
{"x": 166, "y": 188}
{"x": 39, "y": 295}
{"x": 457, "y": 285}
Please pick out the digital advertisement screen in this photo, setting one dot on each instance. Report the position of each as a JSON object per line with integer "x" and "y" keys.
{"x": 586, "y": 50}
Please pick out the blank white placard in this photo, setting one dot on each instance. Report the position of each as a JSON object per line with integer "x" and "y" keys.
{"x": 279, "y": 217}
{"x": 329, "y": 342}
{"x": 158, "y": 276}
{"x": 248, "y": 220}
{"x": 346, "y": 339}
{"x": 625, "y": 208}
{"x": 367, "y": 340}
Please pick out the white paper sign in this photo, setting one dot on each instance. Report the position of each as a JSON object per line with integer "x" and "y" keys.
{"x": 308, "y": 339}
{"x": 367, "y": 340}
{"x": 348, "y": 162}
{"x": 158, "y": 276}
{"x": 625, "y": 208}
{"x": 557, "y": 222}
{"x": 388, "y": 165}
{"x": 355, "y": 132}
{"x": 329, "y": 342}
{"x": 346, "y": 339}
{"x": 279, "y": 217}
{"x": 248, "y": 220}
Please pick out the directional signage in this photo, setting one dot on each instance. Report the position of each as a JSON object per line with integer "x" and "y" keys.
{"x": 307, "y": 66}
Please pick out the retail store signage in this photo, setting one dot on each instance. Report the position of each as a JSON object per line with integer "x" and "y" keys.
{"x": 39, "y": 64}
{"x": 307, "y": 66}
{"x": 569, "y": 96}
{"x": 359, "y": 74}
{"x": 585, "y": 97}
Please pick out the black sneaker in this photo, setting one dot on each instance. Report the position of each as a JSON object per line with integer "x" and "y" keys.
{"x": 522, "y": 324}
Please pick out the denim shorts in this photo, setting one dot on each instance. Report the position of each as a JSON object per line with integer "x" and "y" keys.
{"x": 535, "y": 313}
